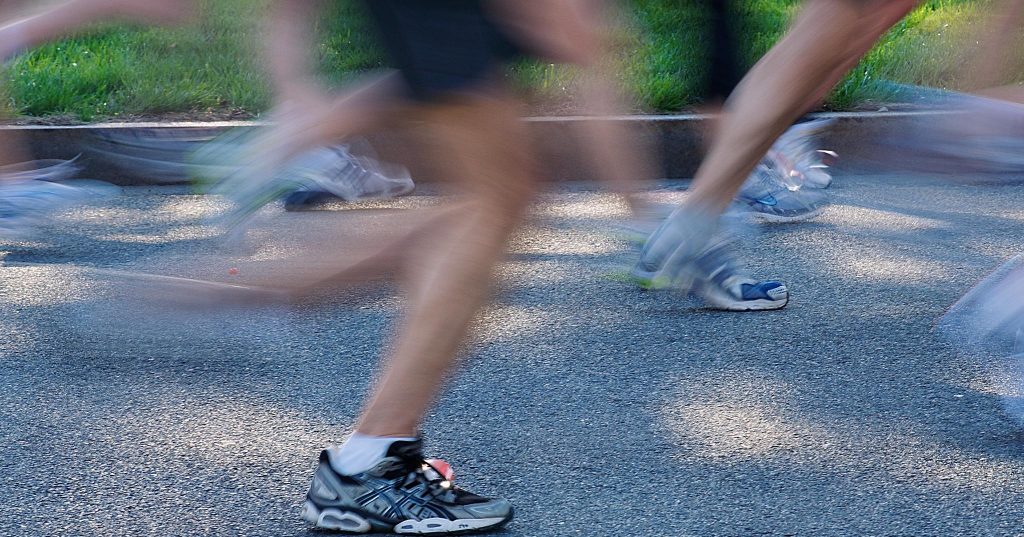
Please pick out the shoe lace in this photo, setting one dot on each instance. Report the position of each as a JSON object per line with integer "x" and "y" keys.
{"x": 416, "y": 473}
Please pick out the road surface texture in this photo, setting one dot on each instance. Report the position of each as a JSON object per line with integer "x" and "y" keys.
{"x": 597, "y": 408}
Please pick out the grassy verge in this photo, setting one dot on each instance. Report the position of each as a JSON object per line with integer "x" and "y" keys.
{"x": 211, "y": 67}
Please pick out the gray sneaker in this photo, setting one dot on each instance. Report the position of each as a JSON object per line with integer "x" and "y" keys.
{"x": 334, "y": 172}
{"x": 797, "y": 156}
{"x": 770, "y": 200}
{"x": 401, "y": 494}
{"x": 688, "y": 254}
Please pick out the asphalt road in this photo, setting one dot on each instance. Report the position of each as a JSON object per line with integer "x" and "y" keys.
{"x": 597, "y": 408}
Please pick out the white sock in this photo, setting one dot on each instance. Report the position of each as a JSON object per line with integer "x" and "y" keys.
{"x": 360, "y": 452}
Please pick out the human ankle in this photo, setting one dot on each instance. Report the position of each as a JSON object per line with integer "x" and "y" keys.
{"x": 362, "y": 452}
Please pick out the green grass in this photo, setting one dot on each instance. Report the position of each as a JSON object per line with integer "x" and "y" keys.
{"x": 208, "y": 67}
{"x": 212, "y": 68}
{"x": 926, "y": 48}
{"x": 672, "y": 73}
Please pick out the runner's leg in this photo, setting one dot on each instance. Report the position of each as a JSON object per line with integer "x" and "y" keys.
{"x": 451, "y": 282}
{"x": 792, "y": 76}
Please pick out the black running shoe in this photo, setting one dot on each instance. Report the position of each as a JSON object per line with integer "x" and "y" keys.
{"x": 401, "y": 494}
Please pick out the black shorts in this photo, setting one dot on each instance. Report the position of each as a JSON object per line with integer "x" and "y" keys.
{"x": 441, "y": 46}
{"x": 725, "y": 71}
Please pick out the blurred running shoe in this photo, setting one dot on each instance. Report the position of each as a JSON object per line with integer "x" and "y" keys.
{"x": 987, "y": 324}
{"x": 799, "y": 160}
{"x": 989, "y": 316}
{"x": 401, "y": 494}
{"x": 233, "y": 166}
{"x": 26, "y": 203}
{"x": 336, "y": 173}
{"x": 814, "y": 176}
{"x": 687, "y": 254}
{"x": 642, "y": 222}
{"x": 782, "y": 188}
{"x": 996, "y": 153}
{"x": 770, "y": 200}
{"x": 808, "y": 169}
{"x": 959, "y": 133}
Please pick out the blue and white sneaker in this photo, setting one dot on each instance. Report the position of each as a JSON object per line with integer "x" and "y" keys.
{"x": 687, "y": 254}
{"x": 722, "y": 286}
{"x": 770, "y": 200}
{"x": 401, "y": 494}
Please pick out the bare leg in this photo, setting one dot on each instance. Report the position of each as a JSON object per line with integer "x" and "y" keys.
{"x": 301, "y": 125}
{"x": 577, "y": 32}
{"x": 884, "y": 16}
{"x": 348, "y": 258}
{"x": 795, "y": 74}
{"x": 306, "y": 113}
{"x": 618, "y": 159}
{"x": 452, "y": 281}
{"x": 288, "y": 42}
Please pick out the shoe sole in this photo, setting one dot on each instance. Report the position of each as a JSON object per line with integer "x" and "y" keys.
{"x": 765, "y": 218}
{"x": 722, "y": 301}
{"x": 349, "y": 522}
{"x": 811, "y": 185}
{"x": 308, "y": 200}
{"x": 719, "y": 303}
{"x": 713, "y": 300}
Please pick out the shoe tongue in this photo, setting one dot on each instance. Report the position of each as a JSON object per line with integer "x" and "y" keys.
{"x": 740, "y": 286}
{"x": 398, "y": 458}
{"x": 406, "y": 449}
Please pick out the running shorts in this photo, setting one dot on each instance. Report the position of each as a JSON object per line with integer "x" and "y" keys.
{"x": 441, "y": 46}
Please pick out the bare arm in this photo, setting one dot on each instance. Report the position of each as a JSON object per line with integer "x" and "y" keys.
{"x": 289, "y": 47}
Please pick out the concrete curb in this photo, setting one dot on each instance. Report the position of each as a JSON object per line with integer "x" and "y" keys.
{"x": 857, "y": 137}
